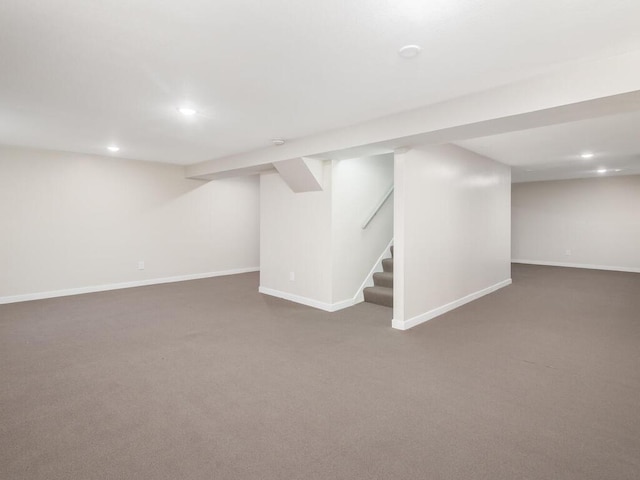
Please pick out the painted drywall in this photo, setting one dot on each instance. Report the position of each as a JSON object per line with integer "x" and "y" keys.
{"x": 313, "y": 249}
{"x": 592, "y": 223}
{"x": 452, "y": 230}
{"x": 357, "y": 188}
{"x": 295, "y": 239}
{"x": 72, "y": 221}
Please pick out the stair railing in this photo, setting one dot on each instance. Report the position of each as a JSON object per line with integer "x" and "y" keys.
{"x": 378, "y": 207}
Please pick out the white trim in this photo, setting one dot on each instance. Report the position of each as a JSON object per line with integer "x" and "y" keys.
{"x": 310, "y": 302}
{"x": 349, "y": 302}
{"x": 333, "y": 307}
{"x": 378, "y": 207}
{"x": 368, "y": 281}
{"x": 578, "y": 265}
{"x": 412, "y": 322}
{"x": 118, "y": 286}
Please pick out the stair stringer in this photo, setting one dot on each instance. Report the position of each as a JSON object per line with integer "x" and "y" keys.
{"x": 368, "y": 281}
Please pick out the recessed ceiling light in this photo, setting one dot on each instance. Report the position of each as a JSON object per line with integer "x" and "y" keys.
{"x": 410, "y": 51}
{"x": 187, "y": 111}
{"x": 602, "y": 170}
{"x": 113, "y": 148}
{"x": 587, "y": 155}
{"x": 278, "y": 141}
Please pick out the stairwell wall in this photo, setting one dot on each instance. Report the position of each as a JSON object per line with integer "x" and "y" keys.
{"x": 358, "y": 186}
{"x": 452, "y": 231}
{"x": 295, "y": 239}
{"x": 313, "y": 249}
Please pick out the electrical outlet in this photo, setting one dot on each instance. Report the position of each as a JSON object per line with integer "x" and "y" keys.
{"x": 141, "y": 265}
{"x": 292, "y": 276}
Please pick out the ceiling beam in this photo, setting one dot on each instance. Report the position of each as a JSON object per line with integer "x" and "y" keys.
{"x": 574, "y": 92}
{"x": 301, "y": 174}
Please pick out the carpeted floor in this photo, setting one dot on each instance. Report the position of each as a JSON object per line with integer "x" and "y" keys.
{"x": 208, "y": 379}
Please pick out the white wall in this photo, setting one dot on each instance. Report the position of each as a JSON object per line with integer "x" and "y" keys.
{"x": 295, "y": 236}
{"x": 358, "y": 186}
{"x": 71, "y": 221}
{"x": 452, "y": 231}
{"x": 593, "y": 223}
{"x": 318, "y": 235}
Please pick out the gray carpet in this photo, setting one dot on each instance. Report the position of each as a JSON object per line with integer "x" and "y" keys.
{"x": 208, "y": 379}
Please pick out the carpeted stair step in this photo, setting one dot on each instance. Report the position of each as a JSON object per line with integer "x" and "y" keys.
{"x": 379, "y": 296}
{"x": 382, "y": 291}
{"x": 383, "y": 279}
{"x": 387, "y": 264}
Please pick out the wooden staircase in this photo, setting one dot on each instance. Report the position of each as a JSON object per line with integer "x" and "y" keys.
{"x": 382, "y": 291}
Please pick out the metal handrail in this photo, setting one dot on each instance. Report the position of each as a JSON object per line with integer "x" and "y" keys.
{"x": 378, "y": 207}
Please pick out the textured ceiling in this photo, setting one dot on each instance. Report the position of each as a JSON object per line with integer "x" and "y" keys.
{"x": 554, "y": 152}
{"x": 79, "y": 75}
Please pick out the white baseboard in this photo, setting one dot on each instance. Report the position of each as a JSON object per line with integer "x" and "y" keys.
{"x": 350, "y": 302}
{"x": 333, "y": 307}
{"x": 118, "y": 286}
{"x": 368, "y": 281}
{"x": 436, "y": 312}
{"x": 310, "y": 302}
{"x": 578, "y": 265}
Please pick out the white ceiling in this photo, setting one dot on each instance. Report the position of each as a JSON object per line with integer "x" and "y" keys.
{"x": 78, "y": 75}
{"x": 554, "y": 152}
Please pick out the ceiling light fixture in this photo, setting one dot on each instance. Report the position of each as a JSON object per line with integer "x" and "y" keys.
{"x": 113, "y": 148}
{"x": 187, "y": 111}
{"x": 278, "y": 141}
{"x": 410, "y": 51}
{"x": 587, "y": 155}
{"x": 602, "y": 170}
